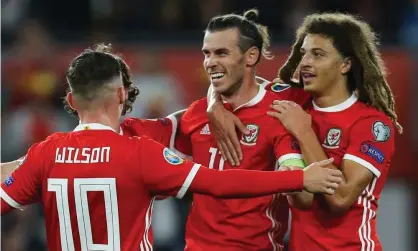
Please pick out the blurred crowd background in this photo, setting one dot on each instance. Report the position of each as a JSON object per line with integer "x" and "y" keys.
{"x": 161, "y": 40}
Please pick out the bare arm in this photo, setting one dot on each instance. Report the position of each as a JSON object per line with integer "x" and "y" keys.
{"x": 8, "y": 167}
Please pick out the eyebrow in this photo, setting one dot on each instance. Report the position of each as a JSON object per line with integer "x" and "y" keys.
{"x": 314, "y": 49}
{"x": 218, "y": 50}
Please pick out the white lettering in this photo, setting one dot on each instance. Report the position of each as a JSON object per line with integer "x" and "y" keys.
{"x": 95, "y": 155}
{"x": 70, "y": 151}
{"x": 59, "y": 158}
{"x": 76, "y": 160}
{"x": 88, "y": 155}
{"x": 102, "y": 154}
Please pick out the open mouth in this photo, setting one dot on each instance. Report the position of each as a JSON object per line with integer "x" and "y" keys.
{"x": 216, "y": 76}
{"x": 307, "y": 76}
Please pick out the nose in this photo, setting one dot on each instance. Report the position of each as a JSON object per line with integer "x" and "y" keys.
{"x": 210, "y": 61}
{"x": 307, "y": 60}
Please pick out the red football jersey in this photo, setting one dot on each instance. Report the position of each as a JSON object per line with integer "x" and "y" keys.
{"x": 162, "y": 130}
{"x": 97, "y": 187}
{"x": 238, "y": 224}
{"x": 357, "y": 132}
{"x": 286, "y": 92}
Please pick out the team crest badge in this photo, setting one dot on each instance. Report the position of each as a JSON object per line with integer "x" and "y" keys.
{"x": 333, "y": 138}
{"x": 251, "y": 139}
{"x": 381, "y": 132}
{"x": 171, "y": 157}
{"x": 279, "y": 87}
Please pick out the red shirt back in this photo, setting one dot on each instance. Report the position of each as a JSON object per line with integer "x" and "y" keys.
{"x": 96, "y": 187}
{"x": 238, "y": 224}
{"x": 360, "y": 133}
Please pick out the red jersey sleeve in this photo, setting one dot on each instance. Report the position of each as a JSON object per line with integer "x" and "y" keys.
{"x": 164, "y": 173}
{"x": 286, "y": 147}
{"x": 23, "y": 186}
{"x": 161, "y": 130}
{"x": 287, "y": 92}
{"x": 183, "y": 145}
{"x": 372, "y": 143}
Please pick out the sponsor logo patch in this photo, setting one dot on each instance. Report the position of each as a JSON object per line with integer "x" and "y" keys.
{"x": 8, "y": 181}
{"x": 372, "y": 152}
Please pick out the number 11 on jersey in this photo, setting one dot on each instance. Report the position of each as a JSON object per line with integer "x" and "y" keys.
{"x": 213, "y": 152}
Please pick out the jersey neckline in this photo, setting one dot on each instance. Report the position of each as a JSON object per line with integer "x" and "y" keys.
{"x": 340, "y": 107}
{"x": 95, "y": 126}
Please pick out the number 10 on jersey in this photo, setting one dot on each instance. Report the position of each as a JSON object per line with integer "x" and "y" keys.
{"x": 81, "y": 187}
{"x": 213, "y": 153}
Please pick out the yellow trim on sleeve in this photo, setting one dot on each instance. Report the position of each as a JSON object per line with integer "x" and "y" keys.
{"x": 293, "y": 162}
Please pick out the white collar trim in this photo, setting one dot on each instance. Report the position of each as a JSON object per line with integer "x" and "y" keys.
{"x": 95, "y": 126}
{"x": 260, "y": 95}
{"x": 340, "y": 107}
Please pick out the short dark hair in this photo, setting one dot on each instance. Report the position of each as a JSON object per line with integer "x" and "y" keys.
{"x": 92, "y": 68}
{"x": 354, "y": 38}
{"x": 251, "y": 33}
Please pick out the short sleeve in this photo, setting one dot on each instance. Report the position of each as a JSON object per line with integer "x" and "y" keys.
{"x": 287, "y": 92}
{"x": 372, "y": 144}
{"x": 161, "y": 130}
{"x": 164, "y": 172}
{"x": 182, "y": 145}
{"x": 23, "y": 186}
{"x": 186, "y": 125}
{"x": 286, "y": 147}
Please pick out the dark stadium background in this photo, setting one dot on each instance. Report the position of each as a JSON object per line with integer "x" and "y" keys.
{"x": 161, "y": 40}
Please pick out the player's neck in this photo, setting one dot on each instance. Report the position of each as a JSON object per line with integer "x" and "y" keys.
{"x": 335, "y": 95}
{"x": 87, "y": 117}
{"x": 246, "y": 92}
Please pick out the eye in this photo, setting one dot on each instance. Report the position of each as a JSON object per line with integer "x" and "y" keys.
{"x": 317, "y": 54}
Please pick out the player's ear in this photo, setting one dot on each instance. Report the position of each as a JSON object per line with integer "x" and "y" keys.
{"x": 122, "y": 95}
{"x": 346, "y": 65}
{"x": 70, "y": 100}
{"x": 252, "y": 55}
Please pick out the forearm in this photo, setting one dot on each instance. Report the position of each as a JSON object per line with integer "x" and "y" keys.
{"x": 239, "y": 183}
{"x": 302, "y": 200}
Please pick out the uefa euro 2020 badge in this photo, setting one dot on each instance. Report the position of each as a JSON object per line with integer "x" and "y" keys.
{"x": 171, "y": 157}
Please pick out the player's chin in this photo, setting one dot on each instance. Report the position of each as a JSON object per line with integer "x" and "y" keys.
{"x": 311, "y": 87}
{"x": 220, "y": 87}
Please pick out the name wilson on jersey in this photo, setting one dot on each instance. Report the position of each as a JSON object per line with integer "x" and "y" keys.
{"x": 82, "y": 155}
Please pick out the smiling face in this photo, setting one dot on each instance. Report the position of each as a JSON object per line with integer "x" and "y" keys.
{"x": 322, "y": 66}
{"x": 224, "y": 61}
